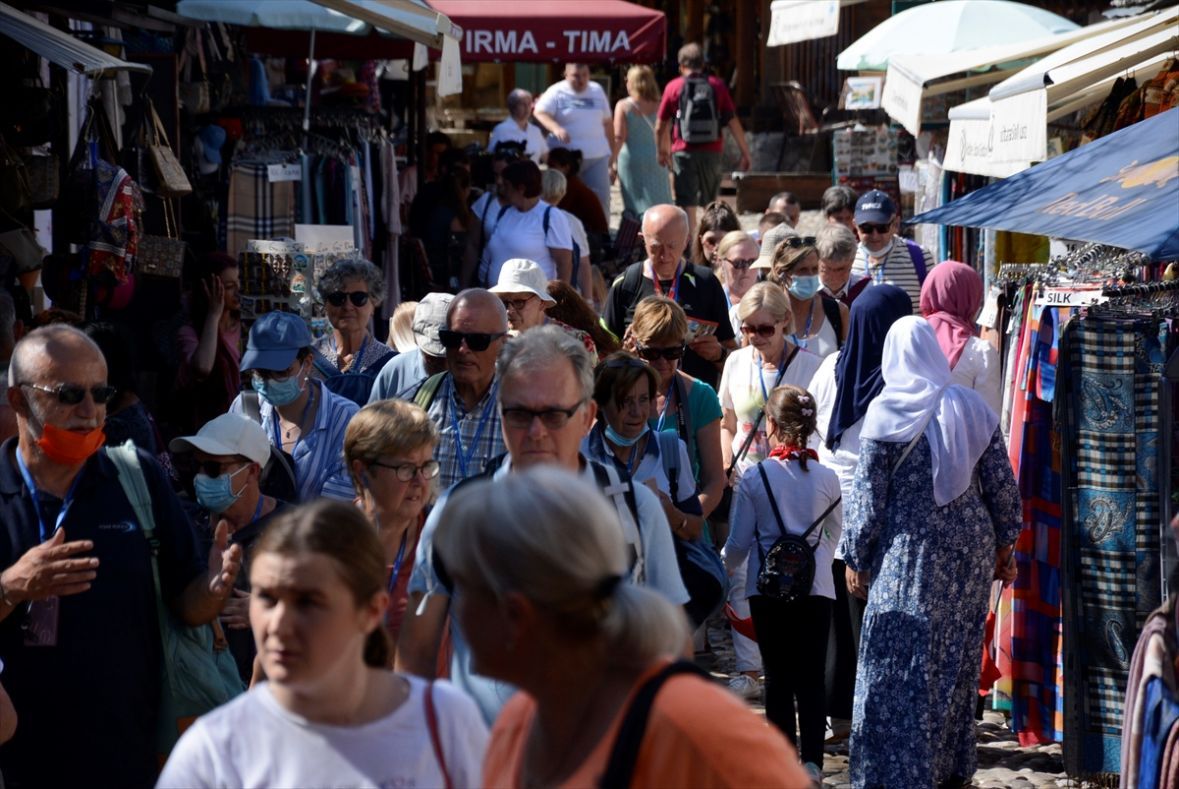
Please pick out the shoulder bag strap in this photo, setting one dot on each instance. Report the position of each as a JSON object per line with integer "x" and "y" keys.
{"x": 741, "y": 453}
{"x": 918, "y": 256}
{"x": 435, "y": 737}
{"x": 669, "y": 455}
{"x": 624, "y": 754}
{"x": 913, "y": 443}
{"x": 830, "y": 508}
{"x": 765, "y": 480}
{"x": 834, "y": 317}
{"x": 251, "y": 406}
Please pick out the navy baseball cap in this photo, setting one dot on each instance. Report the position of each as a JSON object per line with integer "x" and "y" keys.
{"x": 275, "y": 340}
{"x": 875, "y": 207}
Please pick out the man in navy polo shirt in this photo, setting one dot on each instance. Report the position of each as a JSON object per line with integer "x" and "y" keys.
{"x": 78, "y": 628}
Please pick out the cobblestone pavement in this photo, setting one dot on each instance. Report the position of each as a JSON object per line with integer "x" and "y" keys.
{"x": 1002, "y": 763}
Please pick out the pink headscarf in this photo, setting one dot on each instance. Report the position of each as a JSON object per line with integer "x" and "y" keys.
{"x": 950, "y": 299}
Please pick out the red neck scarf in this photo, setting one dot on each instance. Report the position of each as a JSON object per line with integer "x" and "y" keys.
{"x": 787, "y": 452}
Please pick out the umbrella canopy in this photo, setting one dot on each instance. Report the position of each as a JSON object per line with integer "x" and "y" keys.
{"x": 950, "y": 26}
{"x": 274, "y": 14}
{"x": 1121, "y": 190}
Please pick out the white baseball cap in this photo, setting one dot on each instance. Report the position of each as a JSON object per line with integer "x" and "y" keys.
{"x": 228, "y": 434}
{"x": 523, "y": 276}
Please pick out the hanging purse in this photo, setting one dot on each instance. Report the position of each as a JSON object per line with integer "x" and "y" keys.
{"x": 171, "y": 178}
{"x": 14, "y": 179}
{"x": 44, "y": 178}
{"x": 162, "y": 256}
{"x": 20, "y": 244}
{"x": 194, "y": 94}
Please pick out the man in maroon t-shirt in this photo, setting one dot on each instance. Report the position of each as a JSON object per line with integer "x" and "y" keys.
{"x": 697, "y": 166}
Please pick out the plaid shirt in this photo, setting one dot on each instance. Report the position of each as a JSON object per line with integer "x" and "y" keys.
{"x": 480, "y": 432}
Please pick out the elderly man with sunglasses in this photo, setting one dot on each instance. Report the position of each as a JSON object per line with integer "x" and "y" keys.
{"x": 546, "y": 385}
{"x": 461, "y": 401}
{"x": 883, "y": 256}
{"x": 78, "y": 632}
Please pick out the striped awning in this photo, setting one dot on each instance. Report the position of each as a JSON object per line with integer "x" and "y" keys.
{"x": 59, "y": 47}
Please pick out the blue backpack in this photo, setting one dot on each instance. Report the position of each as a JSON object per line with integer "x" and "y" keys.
{"x": 356, "y": 386}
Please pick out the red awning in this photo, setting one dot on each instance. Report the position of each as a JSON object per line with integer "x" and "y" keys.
{"x": 543, "y": 31}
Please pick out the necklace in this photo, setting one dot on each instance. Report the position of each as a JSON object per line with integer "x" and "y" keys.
{"x": 302, "y": 417}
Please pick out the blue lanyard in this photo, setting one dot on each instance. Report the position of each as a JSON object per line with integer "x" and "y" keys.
{"x": 32, "y": 486}
{"x": 302, "y": 419}
{"x": 464, "y": 458}
{"x": 257, "y": 509}
{"x": 397, "y": 561}
{"x": 765, "y": 396}
{"x": 671, "y": 389}
{"x": 806, "y": 332}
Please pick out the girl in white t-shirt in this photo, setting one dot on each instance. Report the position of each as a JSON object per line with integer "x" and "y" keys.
{"x": 331, "y": 713}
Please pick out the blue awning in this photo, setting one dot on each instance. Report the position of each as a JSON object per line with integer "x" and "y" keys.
{"x": 1121, "y": 190}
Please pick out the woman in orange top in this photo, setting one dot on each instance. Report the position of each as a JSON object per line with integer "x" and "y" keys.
{"x": 552, "y": 614}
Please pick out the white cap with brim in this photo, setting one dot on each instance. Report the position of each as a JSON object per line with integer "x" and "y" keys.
{"x": 429, "y": 317}
{"x": 519, "y": 275}
{"x": 769, "y": 243}
{"x": 228, "y": 434}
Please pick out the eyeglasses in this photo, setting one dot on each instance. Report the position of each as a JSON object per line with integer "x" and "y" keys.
{"x": 358, "y": 298}
{"x": 517, "y": 304}
{"x": 798, "y": 242}
{"x": 871, "y": 229}
{"x": 476, "y": 341}
{"x": 671, "y": 354}
{"x": 72, "y": 394}
{"x": 553, "y": 418}
{"x": 407, "y": 471}
{"x": 215, "y": 468}
{"x": 741, "y": 263}
{"x": 761, "y": 331}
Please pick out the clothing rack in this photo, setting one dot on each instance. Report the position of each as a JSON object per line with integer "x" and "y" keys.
{"x": 1140, "y": 289}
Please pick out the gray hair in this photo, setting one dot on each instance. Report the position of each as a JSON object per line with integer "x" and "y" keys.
{"x": 47, "y": 341}
{"x": 552, "y": 537}
{"x": 537, "y": 350}
{"x": 836, "y": 242}
{"x": 333, "y": 278}
{"x": 519, "y": 98}
{"x": 553, "y": 186}
{"x": 839, "y": 198}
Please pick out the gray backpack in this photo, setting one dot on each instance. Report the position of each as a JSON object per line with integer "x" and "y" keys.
{"x": 698, "y": 118}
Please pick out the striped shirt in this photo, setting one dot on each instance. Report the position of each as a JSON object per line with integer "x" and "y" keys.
{"x": 480, "y": 435}
{"x": 319, "y": 453}
{"x": 895, "y": 268}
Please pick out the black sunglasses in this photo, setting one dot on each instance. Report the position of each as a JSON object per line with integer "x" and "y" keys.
{"x": 870, "y": 228}
{"x": 741, "y": 263}
{"x": 358, "y": 298}
{"x": 72, "y": 394}
{"x": 651, "y": 354}
{"x": 761, "y": 331}
{"x": 215, "y": 468}
{"x": 797, "y": 242}
{"x": 476, "y": 341}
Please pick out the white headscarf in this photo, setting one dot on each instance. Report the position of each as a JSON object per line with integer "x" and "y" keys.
{"x": 917, "y": 385}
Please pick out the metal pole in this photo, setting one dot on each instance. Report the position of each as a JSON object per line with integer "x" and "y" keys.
{"x": 307, "y": 96}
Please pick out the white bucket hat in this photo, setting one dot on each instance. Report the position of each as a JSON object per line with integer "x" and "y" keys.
{"x": 523, "y": 276}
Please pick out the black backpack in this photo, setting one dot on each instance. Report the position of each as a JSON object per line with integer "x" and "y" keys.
{"x": 278, "y": 478}
{"x": 787, "y": 570}
{"x": 698, "y": 119}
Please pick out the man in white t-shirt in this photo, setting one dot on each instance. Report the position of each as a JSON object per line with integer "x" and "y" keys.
{"x": 577, "y": 115}
{"x": 518, "y": 127}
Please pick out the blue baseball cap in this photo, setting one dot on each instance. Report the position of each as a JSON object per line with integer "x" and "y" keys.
{"x": 275, "y": 340}
{"x": 875, "y": 207}
{"x": 212, "y": 138}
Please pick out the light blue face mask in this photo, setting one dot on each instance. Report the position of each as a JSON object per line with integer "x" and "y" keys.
{"x": 216, "y": 493}
{"x": 278, "y": 391}
{"x": 623, "y": 441}
{"x": 804, "y": 287}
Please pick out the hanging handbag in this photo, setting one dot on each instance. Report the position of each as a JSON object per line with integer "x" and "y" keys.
{"x": 194, "y": 94}
{"x": 20, "y": 244}
{"x": 14, "y": 179}
{"x": 787, "y": 569}
{"x": 171, "y": 180}
{"x": 197, "y": 670}
{"x": 44, "y": 178}
{"x": 162, "y": 256}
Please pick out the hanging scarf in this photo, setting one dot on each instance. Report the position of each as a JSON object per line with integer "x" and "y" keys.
{"x": 950, "y": 299}
{"x": 857, "y": 371}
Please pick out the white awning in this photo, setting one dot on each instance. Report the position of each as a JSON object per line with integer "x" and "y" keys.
{"x": 59, "y": 47}
{"x": 913, "y": 78}
{"x": 407, "y": 18}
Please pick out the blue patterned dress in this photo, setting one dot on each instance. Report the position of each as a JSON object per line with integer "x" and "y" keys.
{"x": 920, "y": 649}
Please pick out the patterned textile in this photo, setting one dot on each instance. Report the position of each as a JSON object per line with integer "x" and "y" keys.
{"x": 931, "y": 571}
{"x": 1111, "y": 372}
{"x": 480, "y": 434}
{"x": 257, "y": 208}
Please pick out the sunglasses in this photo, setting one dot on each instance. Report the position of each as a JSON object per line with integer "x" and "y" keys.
{"x": 215, "y": 468}
{"x": 476, "y": 341}
{"x": 798, "y": 242}
{"x": 72, "y": 394}
{"x": 671, "y": 354}
{"x": 407, "y": 471}
{"x": 358, "y": 298}
{"x": 873, "y": 229}
{"x": 741, "y": 264}
{"x": 553, "y": 418}
{"x": 761, "y": 331}
{"x": 517, "y": 304}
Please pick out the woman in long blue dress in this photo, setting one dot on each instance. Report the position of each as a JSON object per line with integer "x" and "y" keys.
{"x": 931, "y": 519}
{"x": 643, "y": 182}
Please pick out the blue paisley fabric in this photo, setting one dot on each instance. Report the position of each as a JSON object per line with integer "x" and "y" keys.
{"x": 921, "y": 644}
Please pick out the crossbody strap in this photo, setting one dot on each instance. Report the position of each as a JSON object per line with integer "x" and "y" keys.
{"x": 916, "y": 438}
{"x": 765, "y": 480}
{"x": 435, "y": 737}
{"x": 741, "y": 453}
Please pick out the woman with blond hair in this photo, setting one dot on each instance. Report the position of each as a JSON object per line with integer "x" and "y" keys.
{"x": 736, "y": 254}
{"x": 389, "y": 452}
{"x": 643, "y": 181}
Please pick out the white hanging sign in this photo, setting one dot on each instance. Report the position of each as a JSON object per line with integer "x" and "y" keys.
{"x": 792, "y": 21}
{"x": 450, "y": 70}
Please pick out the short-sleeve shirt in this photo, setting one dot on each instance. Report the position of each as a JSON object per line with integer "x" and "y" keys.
{"x": 479, "y": 436}
{"x": 581, "y": 114}
{"x": 699, "y": 292}
{"x": 670, "y": 105}
{"x": 895, "y": 267}
{"x": 521, "y": 234}
{"x": 404, "y": 371}
{"x": 531, "y": 135}
{"x": 703, "y": 409}
{"x": 88, "y": 706}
